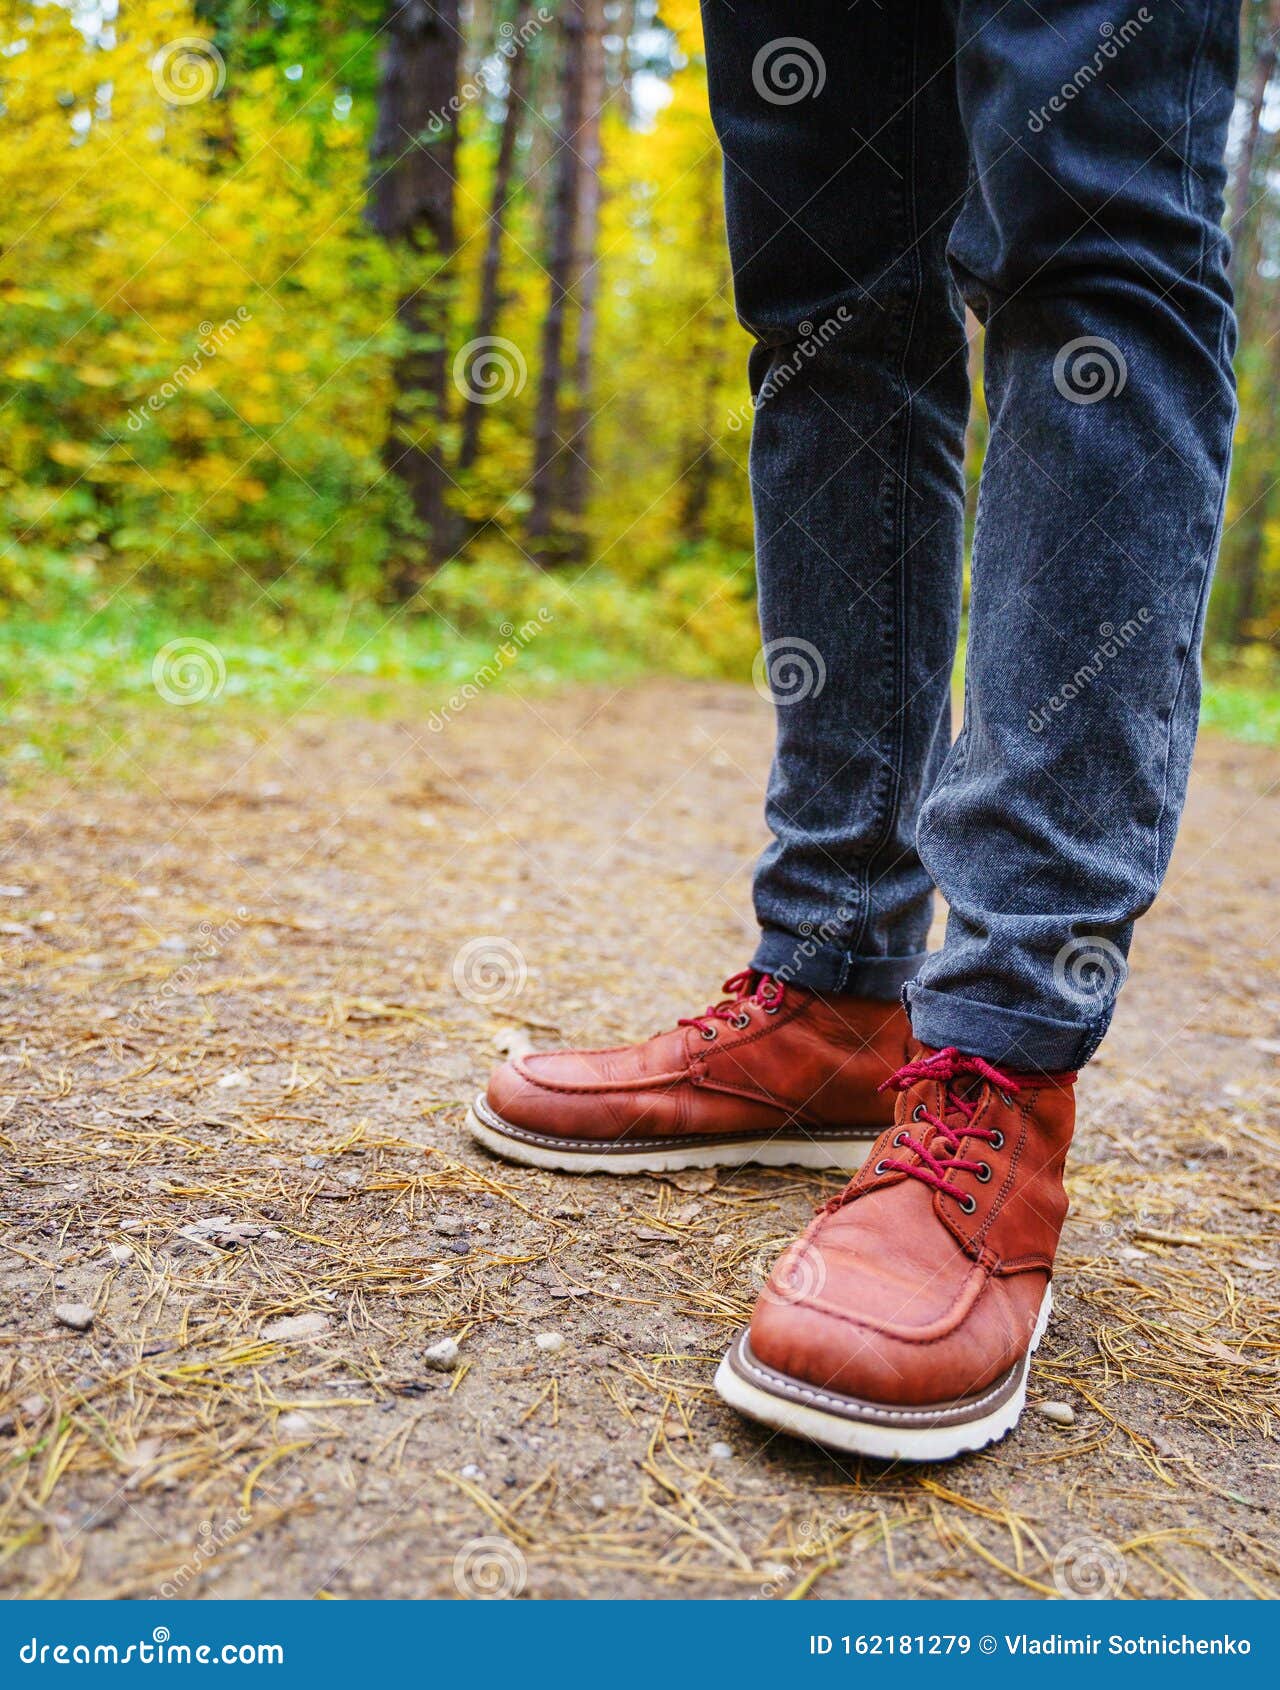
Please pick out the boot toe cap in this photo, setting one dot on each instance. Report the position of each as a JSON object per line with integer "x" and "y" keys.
{"x": 519, "y": 1099}
{"x": 874, "y": 1339}
{"x": 823, "y": 1353}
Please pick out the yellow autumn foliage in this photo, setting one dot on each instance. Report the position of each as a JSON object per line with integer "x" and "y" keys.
{"x": 194, "y": 324}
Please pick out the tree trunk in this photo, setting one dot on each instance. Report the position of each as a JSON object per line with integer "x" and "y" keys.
{"x": 1241, "y": 567}
{"x": 1238, "y": 594}
{"x": 586, "y": 286}
{"x": 545, "y": 480}
{"x": 1246, "y": 573}
{"x": 626, "y": 84}
{"x": 707, "y": 329}
{"x": 1241, "y": 196}
{"x": 411, "y": 205}
{"x": 491, "y": 266}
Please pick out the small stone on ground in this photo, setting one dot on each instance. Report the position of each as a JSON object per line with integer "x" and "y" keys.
{"x": 443, "y": 1357}
{"x": 1061, "y": 1413}
{"x": 297, "y": 1326}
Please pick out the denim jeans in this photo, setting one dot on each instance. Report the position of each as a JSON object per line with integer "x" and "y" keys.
{"x": 1059, "y": 170}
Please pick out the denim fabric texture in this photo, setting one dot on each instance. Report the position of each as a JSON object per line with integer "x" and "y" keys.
{"x": 1059, "y": 171}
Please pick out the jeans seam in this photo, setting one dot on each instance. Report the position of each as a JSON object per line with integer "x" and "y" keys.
{"x": 1193, "y": 647}
{"x": 1193, "y": 642}
{"x": 906, "y": 198}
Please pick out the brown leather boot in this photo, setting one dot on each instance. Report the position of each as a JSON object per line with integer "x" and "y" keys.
{"x": 773, "y": 1074}
{"x": 902, "y": 1323}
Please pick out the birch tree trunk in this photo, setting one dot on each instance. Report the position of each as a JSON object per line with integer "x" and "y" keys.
{"x": 1241, "y": 194}
{"x": 586, "y": 286}
{"x": 486, "y": 322}
{"x": 545, "y": 479}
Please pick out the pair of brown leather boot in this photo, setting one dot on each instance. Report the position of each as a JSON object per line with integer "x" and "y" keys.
{"x": 901, "y": 1324}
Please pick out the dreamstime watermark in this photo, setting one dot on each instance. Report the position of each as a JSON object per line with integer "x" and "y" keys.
{"x": 188, "y": 70}
{"x": 1112, "y": 641}
{"x": 812, "y": 940}
{"x": 489, "y": 369}
{"x": 789, "y": 670}
{"x": 799, "y": 1274}
{"x": 213, "y": 337}
{"x": 1137, "y": 1220}
{"x": 1090, "y": 969}
{"x": 1089, "y": 1568}
{"x": 188, "y": 671}
{"x": 156, "y": 1650}
{"x": 1112, "y": 40}
{"x": 513, "y": 643}
{"x": 817, "y": 1539}
{"x": 211, "y": 942}
{"x": 811, "y": 342}
{"x": 1089, "y": 369}
{"x": 212, "y": 1539}
{"x": 511, "y": 42}
{"x": 489, "y": 1569}
{"x": 787, "y": 70}
{"x": 489, "y": 969}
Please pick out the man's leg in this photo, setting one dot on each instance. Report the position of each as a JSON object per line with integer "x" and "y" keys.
{"x": 1091, "y": 245}
{"x": 844, "y": 169}
{"x": 902, "y": 1324}
{"x": 844, "y": 166}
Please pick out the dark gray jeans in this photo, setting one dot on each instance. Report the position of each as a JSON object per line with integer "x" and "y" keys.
{"x": 1059, "y": 169}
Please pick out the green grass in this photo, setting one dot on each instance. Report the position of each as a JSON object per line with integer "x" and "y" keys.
{"x": 72, "y": 686}
{"x": 88, "y": 679}
{"x": 1247, "y": 710}
{"x": 278, "y": 666}
{"x": 80, "y": 689}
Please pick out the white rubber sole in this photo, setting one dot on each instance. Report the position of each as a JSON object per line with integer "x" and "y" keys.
{"x": 532, "y": 1152}
{"x": 884, "y": 1442}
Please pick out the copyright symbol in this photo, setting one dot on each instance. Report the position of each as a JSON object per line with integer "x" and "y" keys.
{"x": 987, "y": 1645}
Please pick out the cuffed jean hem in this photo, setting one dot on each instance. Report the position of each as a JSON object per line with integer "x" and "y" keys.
{"x": 802, "y": 961}
{"x": 1011, "y": 1038}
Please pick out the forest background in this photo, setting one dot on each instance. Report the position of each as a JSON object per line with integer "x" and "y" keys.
{"x": 286, "y": 398}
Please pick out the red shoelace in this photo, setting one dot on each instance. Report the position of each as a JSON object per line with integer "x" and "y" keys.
{"x": 742, "y": 989}
{"x": 938, "y": 1159}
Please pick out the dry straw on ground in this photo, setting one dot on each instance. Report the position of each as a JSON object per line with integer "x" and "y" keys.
{"x": 236, "y": 1061}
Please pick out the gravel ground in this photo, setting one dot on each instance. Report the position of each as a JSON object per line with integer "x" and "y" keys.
{"x": 254, "y": 971}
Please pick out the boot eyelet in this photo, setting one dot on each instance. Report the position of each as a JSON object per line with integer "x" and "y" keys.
{"x": 983, "y": 1172}
{"x": 772, "y": 1008}
{"x": 710, "y": 1033}
{"x": 879, "y": 1169}
{"x": 918, "y": 1112}
{"x": 968, "y": 1203}
{"x": 996, "y": 1140}
{"x": 1005, "y": 1099}
{"x": 899, "y": 1139}
{"x": 740, "y": 1021}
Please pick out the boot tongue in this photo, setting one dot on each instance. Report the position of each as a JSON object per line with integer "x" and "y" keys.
{"x": 935, "y": 1097}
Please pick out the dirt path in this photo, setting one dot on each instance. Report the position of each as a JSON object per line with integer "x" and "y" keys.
{"x": 235, "y": 1068}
